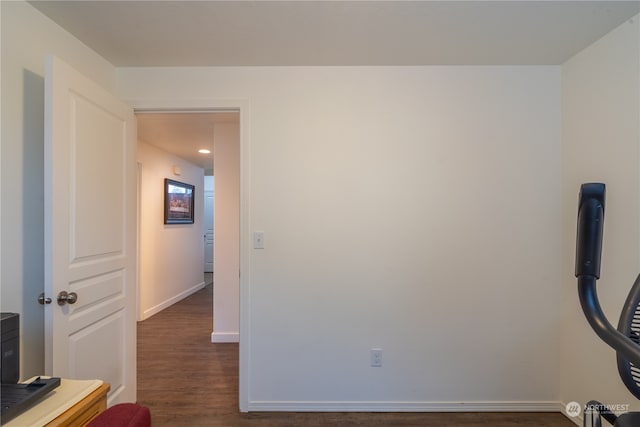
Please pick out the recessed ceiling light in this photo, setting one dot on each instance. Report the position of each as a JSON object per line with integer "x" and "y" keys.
{"x": 204, "y": 151}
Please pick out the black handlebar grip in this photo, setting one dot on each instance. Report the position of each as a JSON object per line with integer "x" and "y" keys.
{"x": 590, "y": 226}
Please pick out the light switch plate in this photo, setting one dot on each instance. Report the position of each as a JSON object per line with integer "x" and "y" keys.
{"x": 258, "y": 240}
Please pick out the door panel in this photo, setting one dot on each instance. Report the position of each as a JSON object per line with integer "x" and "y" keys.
{"x": 98, "y": 150}
{"x": 208, "y": 226}
{"x": 90, "y": 229}
{"x": 95, "y": 351}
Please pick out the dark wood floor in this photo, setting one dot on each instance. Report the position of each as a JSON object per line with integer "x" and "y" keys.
{"x": 186, "y": 380}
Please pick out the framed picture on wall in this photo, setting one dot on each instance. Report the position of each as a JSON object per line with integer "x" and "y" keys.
{"x": 178, "y": 202}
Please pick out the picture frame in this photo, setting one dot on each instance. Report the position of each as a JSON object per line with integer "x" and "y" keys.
{"x": 178, "y": 202}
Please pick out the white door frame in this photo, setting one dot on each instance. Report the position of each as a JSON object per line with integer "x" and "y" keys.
{"x": 213, "y": 106}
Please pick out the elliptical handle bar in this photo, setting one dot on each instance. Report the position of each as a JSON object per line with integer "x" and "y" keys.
{"x": 588, "y": 253}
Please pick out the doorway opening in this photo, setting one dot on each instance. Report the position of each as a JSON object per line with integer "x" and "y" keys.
{"x": 241, "y": 108}
{"x": 174, "y": 258}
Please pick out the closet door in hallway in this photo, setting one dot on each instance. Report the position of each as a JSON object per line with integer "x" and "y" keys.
{"x": 208, "y": 230}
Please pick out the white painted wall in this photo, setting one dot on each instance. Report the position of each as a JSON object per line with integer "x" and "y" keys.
{"x": 171, "y": 255}
{"x": 226, "y": 279}
{"x": 27, "y": 36}
{"x": 601, "y": 138}
{"x": 416, "y": 209}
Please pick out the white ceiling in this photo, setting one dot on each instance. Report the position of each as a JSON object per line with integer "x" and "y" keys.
{"x": 296, "y": 33}
{"x": 226, "y": 33}
{"x": 183, "y": 134}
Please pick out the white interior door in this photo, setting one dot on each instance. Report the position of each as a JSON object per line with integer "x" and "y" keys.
{"x": 90, "y": 231}
{"x": 208, "y": 228}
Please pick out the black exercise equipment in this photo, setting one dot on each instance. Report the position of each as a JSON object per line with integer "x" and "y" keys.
{"x": 626, "y": 339}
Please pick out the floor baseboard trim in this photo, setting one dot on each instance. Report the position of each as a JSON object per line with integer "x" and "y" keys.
{"x": 168, "y": 303}
{"x": 384, "y": 406}
{"x": 217, "y": 337}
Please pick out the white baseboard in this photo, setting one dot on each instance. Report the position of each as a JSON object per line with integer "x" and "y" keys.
{"x": 358, "y": 406}
{"x": 168, "y": 303}
{"x": 225, "y": 337}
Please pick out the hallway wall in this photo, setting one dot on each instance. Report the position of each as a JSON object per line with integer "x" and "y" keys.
{"x": 171, "y": 256}
{"x": 226, "y": 289}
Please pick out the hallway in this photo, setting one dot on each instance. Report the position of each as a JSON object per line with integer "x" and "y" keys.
{"x": 182, "y": 377}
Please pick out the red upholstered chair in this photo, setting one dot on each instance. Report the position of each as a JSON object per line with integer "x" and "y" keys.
{"x": 123, "y": 415}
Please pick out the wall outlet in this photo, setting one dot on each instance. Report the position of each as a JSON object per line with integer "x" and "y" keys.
{"x": 376, "y": 357}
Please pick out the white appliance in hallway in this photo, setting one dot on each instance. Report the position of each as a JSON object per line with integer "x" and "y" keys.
{"x": 208, "y": 223}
